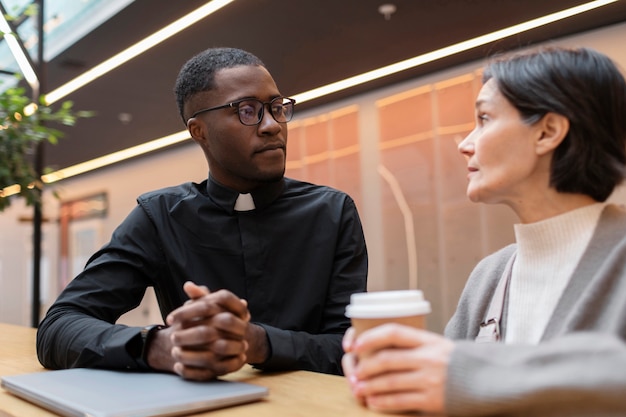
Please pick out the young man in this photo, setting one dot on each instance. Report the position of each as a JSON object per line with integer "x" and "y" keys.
{"x": 248, "y": 266}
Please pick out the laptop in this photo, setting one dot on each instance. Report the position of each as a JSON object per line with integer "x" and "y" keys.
{"x": 81, "y": 392}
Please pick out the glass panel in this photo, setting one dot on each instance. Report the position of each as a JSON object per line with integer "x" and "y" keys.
{"x": 66, "y": 21}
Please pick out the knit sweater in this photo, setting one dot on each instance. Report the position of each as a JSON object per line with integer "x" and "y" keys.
{"x": 547, "y": 253}
{"x": 579, "y": 366}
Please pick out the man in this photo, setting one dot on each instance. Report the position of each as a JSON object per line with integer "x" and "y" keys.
{"x": 248, "y": 266}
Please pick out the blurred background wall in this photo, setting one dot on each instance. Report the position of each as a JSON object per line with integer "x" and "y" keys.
{"x": 393, "y": 150}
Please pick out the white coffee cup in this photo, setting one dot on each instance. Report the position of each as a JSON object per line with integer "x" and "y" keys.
{"x": 371, "y": 309}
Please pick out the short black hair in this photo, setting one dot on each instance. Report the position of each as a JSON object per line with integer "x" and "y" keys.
{"x": 198, "y": 73}
{"x": 587, "y": 88}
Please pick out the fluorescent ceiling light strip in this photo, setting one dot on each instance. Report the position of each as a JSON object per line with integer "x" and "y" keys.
{"x": 136, "y": 49}
{"x": 115, "y": 157}
{"x": 18, "y": 54}
{"x": 10, "y": 190}
{"x": 344, "y": 84}
{"x": 447, "y": 51}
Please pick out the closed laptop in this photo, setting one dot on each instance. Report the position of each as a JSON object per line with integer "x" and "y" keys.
{"x": 102, "y": 393}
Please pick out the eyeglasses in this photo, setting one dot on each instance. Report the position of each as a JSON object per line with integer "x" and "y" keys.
{"x": 251, "y": 110}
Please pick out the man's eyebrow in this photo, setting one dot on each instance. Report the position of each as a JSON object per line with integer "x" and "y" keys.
{"x": 240, "y": 98}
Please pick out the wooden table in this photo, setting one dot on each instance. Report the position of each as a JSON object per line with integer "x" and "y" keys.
{"x": 292, "y": 394}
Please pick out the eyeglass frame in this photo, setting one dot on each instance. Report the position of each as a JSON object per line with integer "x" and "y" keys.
{"x": 236, "y": 103}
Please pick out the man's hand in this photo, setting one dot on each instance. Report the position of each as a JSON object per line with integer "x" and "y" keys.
{"x": 258, "y": 346}
{"x": 206, "y": 336}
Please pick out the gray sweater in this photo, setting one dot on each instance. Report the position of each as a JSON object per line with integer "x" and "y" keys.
{"x": 578, "y": 368}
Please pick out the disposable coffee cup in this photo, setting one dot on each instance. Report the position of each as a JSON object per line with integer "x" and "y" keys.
{"x": 370, "y": 309}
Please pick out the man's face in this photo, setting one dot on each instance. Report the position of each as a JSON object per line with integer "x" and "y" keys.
{"x": 240, "y": 157}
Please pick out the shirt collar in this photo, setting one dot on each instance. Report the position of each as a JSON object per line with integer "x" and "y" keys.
{"x": 262, "y": 196}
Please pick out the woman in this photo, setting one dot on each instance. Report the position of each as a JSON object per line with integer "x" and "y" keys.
{"x": 549, "y": 142}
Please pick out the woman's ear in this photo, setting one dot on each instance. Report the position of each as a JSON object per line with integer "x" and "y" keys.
{"x": 553, "y": 128}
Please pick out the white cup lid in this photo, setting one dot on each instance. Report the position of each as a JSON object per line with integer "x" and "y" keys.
{"x": 383, "y": 304}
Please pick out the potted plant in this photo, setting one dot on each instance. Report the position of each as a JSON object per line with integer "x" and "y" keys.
{"x": 24, "y": 125}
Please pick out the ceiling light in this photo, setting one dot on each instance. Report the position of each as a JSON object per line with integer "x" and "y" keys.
{"x": 136, "y": 49}
{"x": 115, "y": 157}
{"x": 447, "y": 51}
{"x": 387, "y": 10}
{"x": 19, "y": 54}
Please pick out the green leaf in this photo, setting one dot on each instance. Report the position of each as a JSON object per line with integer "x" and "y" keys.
{"x": 20, "y": 135}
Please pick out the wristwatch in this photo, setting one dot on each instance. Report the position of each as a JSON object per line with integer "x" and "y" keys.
{"x": 146, "y": 336}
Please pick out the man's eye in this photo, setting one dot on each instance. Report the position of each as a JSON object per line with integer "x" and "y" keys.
{"x": 247, "y": 110}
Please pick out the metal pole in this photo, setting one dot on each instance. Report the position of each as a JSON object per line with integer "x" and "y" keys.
{"x": 39, "y": 167}
{"x": 38, "y": 88}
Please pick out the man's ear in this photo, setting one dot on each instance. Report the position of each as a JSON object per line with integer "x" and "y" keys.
{"x": 553, "y": 129}
{"x": 197, "y": 131}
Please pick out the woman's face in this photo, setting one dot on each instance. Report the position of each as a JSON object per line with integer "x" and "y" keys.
{"x": 502, "y": 163}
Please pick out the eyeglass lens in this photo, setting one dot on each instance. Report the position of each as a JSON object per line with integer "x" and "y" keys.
{"x": 251, "y": 111}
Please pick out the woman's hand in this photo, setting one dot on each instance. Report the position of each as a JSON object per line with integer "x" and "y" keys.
{"x": 398, "y": 368}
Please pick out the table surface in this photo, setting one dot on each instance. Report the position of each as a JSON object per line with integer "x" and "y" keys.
{"x": 294, "y": 394}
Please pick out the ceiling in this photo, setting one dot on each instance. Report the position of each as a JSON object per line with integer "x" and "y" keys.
{"x": 304, "y": 44}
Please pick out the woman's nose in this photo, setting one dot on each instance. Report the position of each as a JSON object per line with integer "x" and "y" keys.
{"x": 466, "y": 146}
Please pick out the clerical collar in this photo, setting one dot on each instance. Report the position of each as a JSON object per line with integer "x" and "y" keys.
{"x": 244, "y": 202}
{"x": 258, "y": 198}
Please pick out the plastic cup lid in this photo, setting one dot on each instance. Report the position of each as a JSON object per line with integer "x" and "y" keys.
{"x": 383, "y": 304}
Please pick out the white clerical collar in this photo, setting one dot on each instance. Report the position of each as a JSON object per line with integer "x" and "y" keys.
{"x": 244, "y": 203}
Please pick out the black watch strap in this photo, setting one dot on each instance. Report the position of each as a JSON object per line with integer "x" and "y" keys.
{"x": 146, "y": 336}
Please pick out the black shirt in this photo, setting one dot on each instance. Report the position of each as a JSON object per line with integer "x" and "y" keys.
{"x": 296, "y": 258}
